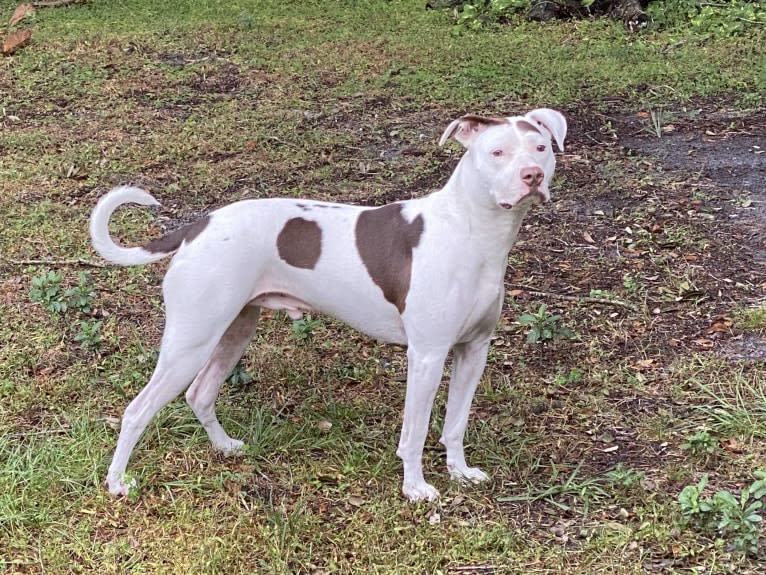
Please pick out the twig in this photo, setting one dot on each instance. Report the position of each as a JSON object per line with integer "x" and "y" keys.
{"x": 77, "y": 262}
{"x": 579, "y": 299}
{"x": 56, "y": 3}
{"x": 38, "y": 433}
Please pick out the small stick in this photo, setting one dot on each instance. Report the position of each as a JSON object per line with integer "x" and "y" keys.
{"x": 55, "y": 3}
{"x": 77, "y": 262}
{"x": 582, "y": 299}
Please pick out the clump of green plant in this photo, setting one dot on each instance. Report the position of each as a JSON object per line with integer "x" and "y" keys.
{"x": 476, "y": 14}
{"x": 631, "y": 284}
{"x": 724, "y": 18}
{"x": 701, "y": 444}
{"x": 239, "y": 375}
{"x": 750, "y": 317}
{"x": 80, "y": 297}
{"x": 573, "y": 377}
{"x": 657, "y": 119}
{"x": 625, "y": 478}
{"x": 737, "y": 520}
{"x": 544, "y": 326}
{"x": 46, "y": 289}
{"x": 89, "y": 336}
{"x": 303, "y": 329}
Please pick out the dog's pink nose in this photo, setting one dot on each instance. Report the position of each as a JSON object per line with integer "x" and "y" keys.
{"x": 532, "y": 177}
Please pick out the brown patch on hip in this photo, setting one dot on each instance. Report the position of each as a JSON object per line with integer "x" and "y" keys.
{"x": 385, "y": 240}
{"x": 300, "y": 243}
{"x": 172, "y": 241}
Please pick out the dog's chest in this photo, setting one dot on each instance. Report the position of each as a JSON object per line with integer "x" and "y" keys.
{"x": 482, "y": 315}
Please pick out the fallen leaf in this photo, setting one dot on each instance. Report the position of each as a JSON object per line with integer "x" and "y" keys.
{"x": 704, "y": 343}
{"x": 644, "y": 364}
{"x": 16, "y": 40}
{"x": 324, "y": 425}
{"x": 722, "y": 324}
{"x": 588, "y": 238}
{"x": 22, "y": 11}
{"x": 732, "y": 446}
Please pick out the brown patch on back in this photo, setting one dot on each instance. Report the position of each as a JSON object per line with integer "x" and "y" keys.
{"x": 300, "y": 243}
{"x": 385, "y": 241}
{"x": 172, "y": 241}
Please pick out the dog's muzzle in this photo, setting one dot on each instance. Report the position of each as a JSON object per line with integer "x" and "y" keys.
{"x": 533, "y": 194}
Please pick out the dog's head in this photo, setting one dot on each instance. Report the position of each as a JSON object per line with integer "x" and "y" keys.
{"x": 512, "y": 158}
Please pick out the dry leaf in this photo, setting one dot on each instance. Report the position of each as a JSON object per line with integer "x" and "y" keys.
{"x": 722, "y": 324}
{"x": 324, "y": 425}
{"x": 16, "y": 40}
{"x": 22, "y": 11}
{"x": 732, "y": 446}
{"x": 588, "y": 238}
{"x": 704, "y": 343}
{"x": 644, "y": 364}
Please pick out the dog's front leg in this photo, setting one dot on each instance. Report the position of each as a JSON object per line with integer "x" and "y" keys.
{"x": 424, "y": 373}
{"x": 468, "y": 364}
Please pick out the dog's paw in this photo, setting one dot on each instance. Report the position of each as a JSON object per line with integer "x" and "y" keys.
{"x": 229, "y": 446}
{"x": 420, "y": 492}
{"x": 119, "y": 487}
{"x": 467, "y": 474}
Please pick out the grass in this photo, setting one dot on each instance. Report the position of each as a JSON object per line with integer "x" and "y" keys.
{"x": 208, "y": 102}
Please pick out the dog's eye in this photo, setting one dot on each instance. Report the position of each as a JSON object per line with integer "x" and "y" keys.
{"x": 497, "y": 153}
{"x": 541, "y": 148}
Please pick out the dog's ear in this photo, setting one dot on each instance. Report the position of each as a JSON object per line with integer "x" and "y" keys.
{"x": 465, "y": 129}
{"x": 552, "y": 121}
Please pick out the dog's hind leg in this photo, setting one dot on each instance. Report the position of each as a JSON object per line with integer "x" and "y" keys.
{"x": 192, "y": 332}
{"x": 203, "y": 391}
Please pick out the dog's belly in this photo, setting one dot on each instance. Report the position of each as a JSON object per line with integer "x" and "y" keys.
{"x": 377, "y": 319}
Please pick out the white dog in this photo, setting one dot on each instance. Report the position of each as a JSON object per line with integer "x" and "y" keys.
{"x": 426, "y": 273}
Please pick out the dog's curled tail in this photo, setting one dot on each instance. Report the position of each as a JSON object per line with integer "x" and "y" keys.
{"x": 99, "y": 228}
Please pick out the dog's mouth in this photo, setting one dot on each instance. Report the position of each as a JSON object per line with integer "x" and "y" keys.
{"x": 537, "y": 195}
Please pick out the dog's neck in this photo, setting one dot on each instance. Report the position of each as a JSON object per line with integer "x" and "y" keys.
{"x": 491, "y": 227}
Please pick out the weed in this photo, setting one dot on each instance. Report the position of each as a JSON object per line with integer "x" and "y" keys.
{"x": 736, "y": 407}
{"x": 657, "y": 119}
{"x": 239, "y": 375}
{"x": 722, "y": 19}
{"x": 477, "y": 14}
{"x": 631, "y": 284}
{"x": 625, "y": 478}
{"x": 80, "y": 297}
{"x": 303, "y": 329}
{"x": 89, "y": 336}
{"x": 46, "y": 289}
{"x": 701, "y": 444}
{"x": 736, "y": 519}
{"x": 578, "y": 490}
{"x": 750, "y": 317}
{"x": 602, "y": 294}
{"x": 573, "y": 377}
{"x": 544, "y": 326}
